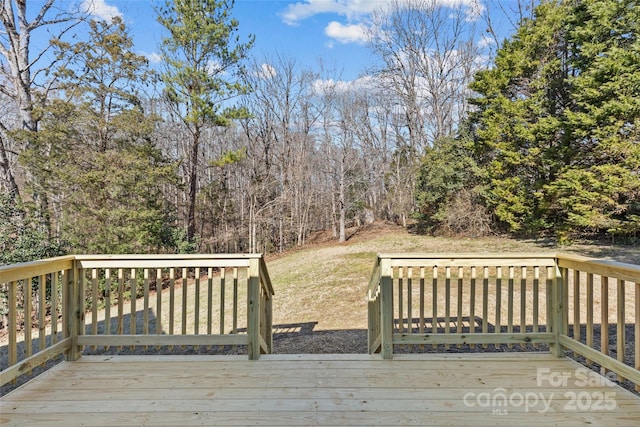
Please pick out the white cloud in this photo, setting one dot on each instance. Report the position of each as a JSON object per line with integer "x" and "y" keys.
{"x": 153, "y": 57}
{"x": 357, "y": 9}
{"x": 267, "y": 72}
{"x": 322, "y": 86}
{"x": 359, "y": 12}
{"x": 215, "y": 68}
{"x": 356, "y": 33}
{"x": 486, "y": 41}
{"x": 100, "y": 9}
{"x": 351, "y": 8}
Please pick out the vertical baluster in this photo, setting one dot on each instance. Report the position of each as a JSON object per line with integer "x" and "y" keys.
{"x": 447, "y": 302}
{"x": 64, "y": 303}
{"x": 133, "y": 318}
{"x": 422, "y": 321}
{"x": 42, "y": 311}
{"x": 209, "y": 300}
{"x": 172, "y": 299}
{"x": 94, "y": 303}
{"x": 13, "y": 324}
{"x": 523, "y": 299}
{"x": 620, "y": 328}
{"x": 223, "y": 278}
{"x": 589, "y": 307}
{"x": 235, "y": 301}
{"x": 107, "y": 303}
{"x": 434, "y": 309}
{"x": 196, "y": 314}
{"x": 28, "y": 311}
{"x": 498, "y": 299}
{"x": 536, "y": 300}
{"x": 409, "y": 300}
{"x": 565, "y": 299}
{"x": 185, "y": 285}
{"x": 576, "y": 305}
{"x": 549, "y": 293}
{"x": 400, "y": 302}
{"x": 485, "y": 302}
{"x": 472, "y": 301}
{"x": 234, "y": 315}
{"x": 145, "y": 313}
{"x": 54, "y": 307}
{"x": 604, "y": 318}
{"x": 158, "y": 303}
{"x": 637, "y": 337}
{"x": 77, "y": 317}
{"x": 459, "y": 307}
{"x": 510, "y": 296}
{"x": 120, "y": 303}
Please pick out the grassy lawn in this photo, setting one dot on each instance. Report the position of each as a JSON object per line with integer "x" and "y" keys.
{"x": 326, "y": 283}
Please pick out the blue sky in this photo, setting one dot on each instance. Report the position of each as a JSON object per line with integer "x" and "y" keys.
{"x": 331, "y": 31}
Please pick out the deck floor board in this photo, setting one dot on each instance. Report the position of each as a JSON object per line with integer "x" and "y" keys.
{"x": 431, "y": 389}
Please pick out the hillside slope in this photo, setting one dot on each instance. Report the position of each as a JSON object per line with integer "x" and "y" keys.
{"x": 326, "y": 282}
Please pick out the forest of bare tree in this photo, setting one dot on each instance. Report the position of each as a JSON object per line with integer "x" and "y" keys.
{"x": 223, "y": 151}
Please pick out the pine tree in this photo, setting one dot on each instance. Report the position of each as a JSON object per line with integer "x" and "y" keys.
{"x": 599, "y": 190}
{"x": 556, "y": 126}
{"x": 94, "y": 154}
{"x": 519, "y": 141}
{"x": 200, "y": 55}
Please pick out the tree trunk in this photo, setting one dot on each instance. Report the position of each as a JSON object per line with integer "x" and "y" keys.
{"x": 193, "y": 186}
{"x": 7, "y": 173}
{"x": 342, "y": 204}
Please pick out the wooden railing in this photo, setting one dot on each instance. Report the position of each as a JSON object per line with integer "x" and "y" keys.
{"x": 135, "y": 300}
{"x": 35, "y": 292}
{"x": 603, "y": 297}
{"x": 506, "y": 299}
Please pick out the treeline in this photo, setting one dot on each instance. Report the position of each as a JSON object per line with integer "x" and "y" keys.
{"x": 551, "y": 144}
{"x": 223, "y": 152}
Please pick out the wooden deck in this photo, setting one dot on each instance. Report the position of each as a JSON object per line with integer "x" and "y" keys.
{"x": 419, "y": 389}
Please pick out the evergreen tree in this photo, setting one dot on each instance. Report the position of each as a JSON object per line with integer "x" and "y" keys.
{"x": 200, "y": 55}
{"x": 95, "y": 154}
{"x": 447, "y": 168}
{"x": 599, "y": 189}
{"x": 556, "y": 126}
{"x": 519, "y": 141}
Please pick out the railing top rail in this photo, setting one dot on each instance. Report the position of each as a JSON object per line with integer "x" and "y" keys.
{"x": 470, "y": 259}
{"x": 624, "y": 271}
{"x": 468, "y": 255}
{"x": 19, "y": 271}
{"x": 166, "y": 256}
{"x": 264, "y": 274}
{"x": 374, "y": 282}
{"x": 165, "y": 260}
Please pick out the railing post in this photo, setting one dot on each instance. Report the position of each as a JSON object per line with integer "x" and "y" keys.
{"x": 557, "y": 310}
{"x": 74, "y": 311}
{"x": 253, "y": 309}
{"x": 386, "y": 308}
